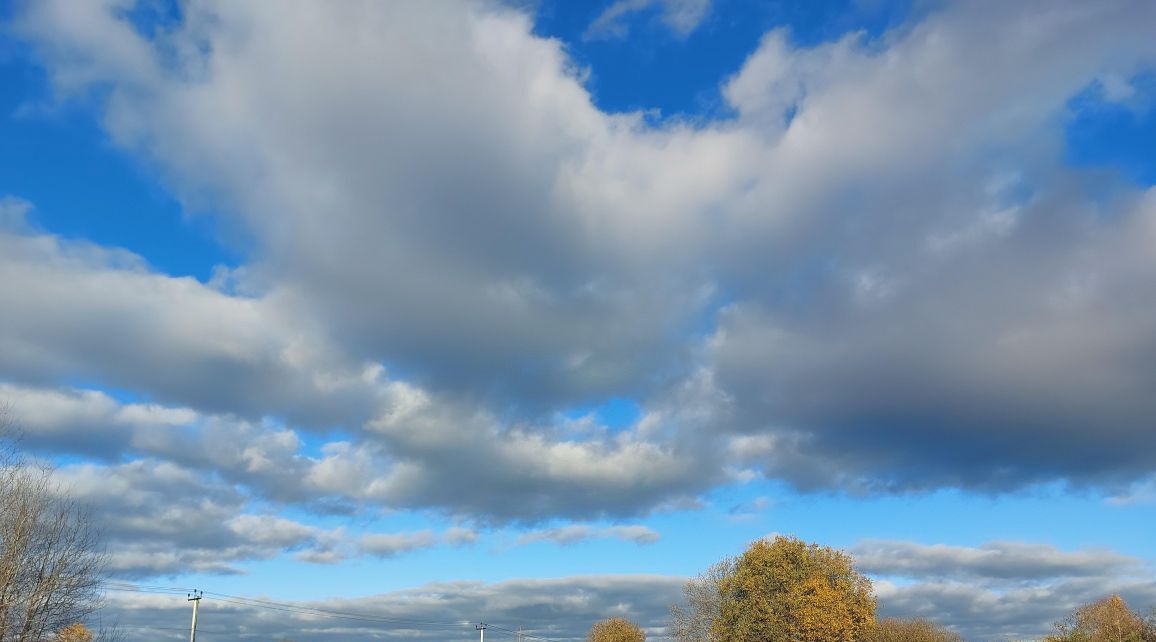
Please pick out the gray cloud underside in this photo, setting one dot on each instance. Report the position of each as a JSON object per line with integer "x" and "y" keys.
{"x": 206, "y": 494}
{"x": 994, "y": 604}
{"x": 417, "y": 454}
{"x": 904, "y": 285}
{"x": 999, "y": 590}
{"x": 995, "y": 560}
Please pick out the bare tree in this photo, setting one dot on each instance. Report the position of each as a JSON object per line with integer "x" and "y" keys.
{"x": 50, "y": 563}
{"x": 692, "y": 620}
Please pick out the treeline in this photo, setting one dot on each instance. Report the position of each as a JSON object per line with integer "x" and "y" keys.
{"x": 787, "y": 590}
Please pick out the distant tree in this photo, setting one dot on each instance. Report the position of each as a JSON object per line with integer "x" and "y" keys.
{"x": 615, "y": 629}
{"x": 786, "y": 590}
{"x": 692, "y": 620}
{"x": 73, "y": 633}
{"x": 909, "y": 630}
{"x": 50, "y": 565}
{"x": 1105, "y": 620}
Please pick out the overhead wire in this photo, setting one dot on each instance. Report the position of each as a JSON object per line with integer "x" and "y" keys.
{"x": 521, "y": 634}
{"x": 395, "y": 622}
{"x": 310, "y": 610}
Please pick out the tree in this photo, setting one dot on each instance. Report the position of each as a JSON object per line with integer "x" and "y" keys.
{"x": 73, "y": 633}
{"x": 1105, "y": 620}
{"x": 913, "y": 630}
{"x": 50, "y": 566}
{"x": 692, "y": 621}
{"x": 786, "y": 590}
{"x": 615, "y": 629}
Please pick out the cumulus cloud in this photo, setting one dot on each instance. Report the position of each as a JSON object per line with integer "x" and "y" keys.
{"x": 391, "y": 544}
{"x": 576, "y": 533}
{"x": 450, "y": 455}
{"x": 460, "y": 536}
{"x": 13, "y": 213}
{"x": 902, "y": 284}
{"x": 265, "y": 458}
{"x": 160, "y": 519}
{"x": 423, "y": 454}
{"x": 403, "y": 269}
{"x": 78, "y": 311}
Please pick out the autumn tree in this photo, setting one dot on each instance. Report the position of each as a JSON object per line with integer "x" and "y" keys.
{"x": 50, "y": 565}
{"x": 692, "y": 620}
{"x": 73, "y": 633}
{"x": 909, "y": 630}
{"x": 786, "y": 590}
{"x": 1105, "y": 620}
{"x": 615, "y": 629}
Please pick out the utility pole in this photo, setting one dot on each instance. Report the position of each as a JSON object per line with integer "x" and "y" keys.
{"x": 195, "y": 598}
{"x": 481, "y": 632}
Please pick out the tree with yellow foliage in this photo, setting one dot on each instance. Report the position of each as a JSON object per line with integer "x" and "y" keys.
{"x": 615, "y": 629}
{"x": 909, "y": 630}
{"x": 786, "y": 590}
{"x": 1106, "y": 620}
{"x": 73, "y": 633}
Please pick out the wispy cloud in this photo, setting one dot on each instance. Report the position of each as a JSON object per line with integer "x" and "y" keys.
{"x": 680, "y": 16}
{"x": 577, "y": 533}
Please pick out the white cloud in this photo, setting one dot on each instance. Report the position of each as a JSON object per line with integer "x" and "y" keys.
{"x": 78, "y": 311}
{"x": 13, "y": 213}
{"x": 161, "y": 519}
{"x": 994, "y": 560}
{"x": 424, "y": 454}
{"x": 577, "y": 533}
{"x": 998, "y": 590}
{"x": 680, "y": 16}
{"x": 391, "y": 544}
{"x": 460, "y": 536}
{"x": 898, "y": 314}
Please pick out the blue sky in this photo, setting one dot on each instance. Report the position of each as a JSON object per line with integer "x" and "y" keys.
{"x": 349, "y": 304}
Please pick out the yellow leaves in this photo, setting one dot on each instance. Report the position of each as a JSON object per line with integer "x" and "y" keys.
{"x": 820, "y": 611}
{"x": 1106, "y": 620}
{"x": 615, "y": 629}
{"x": 917, "y": 630}
{"x": 786, "y": 589}
{"x": 74, "y": 633}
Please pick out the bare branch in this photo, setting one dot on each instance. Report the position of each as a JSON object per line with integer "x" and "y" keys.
{"x": 50, "y": 562}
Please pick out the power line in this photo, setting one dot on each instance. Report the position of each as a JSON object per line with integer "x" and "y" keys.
{"x": 524, "y": 634}
{"x": 310, "y": 610}
{"x": 395, "y": 622}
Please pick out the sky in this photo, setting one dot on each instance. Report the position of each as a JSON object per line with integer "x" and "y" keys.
{"x": 525, "y": 312}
